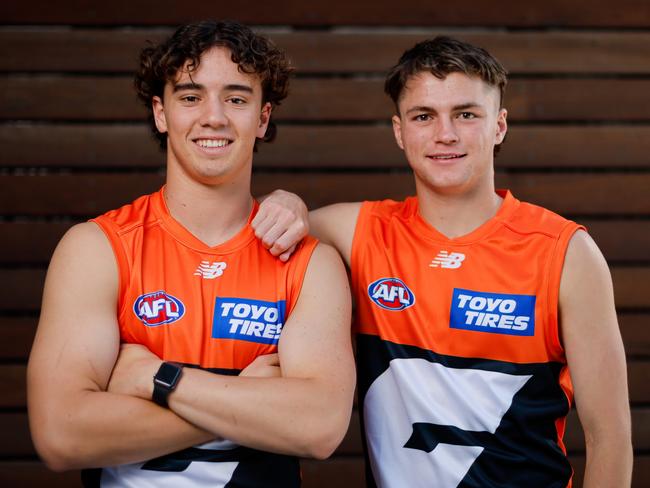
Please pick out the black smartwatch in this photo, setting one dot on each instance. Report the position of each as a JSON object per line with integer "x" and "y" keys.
{"x": 165, "y": 381}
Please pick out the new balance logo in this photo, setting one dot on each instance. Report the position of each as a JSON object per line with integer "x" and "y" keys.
{"x": 210, "y": 271}
{"x": 445, "y": 259}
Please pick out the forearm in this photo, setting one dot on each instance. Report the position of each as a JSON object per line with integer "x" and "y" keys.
{"x": 95, "y": 429}
{"x": 304, "y": 417}
{"x": 609, "y": 462}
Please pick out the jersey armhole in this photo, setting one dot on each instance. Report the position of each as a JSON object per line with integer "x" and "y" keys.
{"x": 555, "y": 277}
{"x": 111, "y": 231}
{"x": 298, "y": 264}
{"x": 357, "y": 253}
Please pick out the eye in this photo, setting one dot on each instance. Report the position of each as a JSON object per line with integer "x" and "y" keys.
{"x": 467, "y": 115}
{"x": 190, "y": 98}
{"x": 237, "y": 100}
{"x": 422, "y": 117}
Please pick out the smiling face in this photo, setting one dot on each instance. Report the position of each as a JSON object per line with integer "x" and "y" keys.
{"x": 212, "y": 116}
{"x": 448, "y": 129}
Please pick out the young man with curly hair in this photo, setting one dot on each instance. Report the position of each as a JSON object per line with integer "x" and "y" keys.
{"x": 164, "y": 321}
{"x": 479, "y": 318}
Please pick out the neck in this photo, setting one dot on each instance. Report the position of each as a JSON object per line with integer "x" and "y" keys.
{"x": 456, "y": 215}
{"x": 212, "y": 213}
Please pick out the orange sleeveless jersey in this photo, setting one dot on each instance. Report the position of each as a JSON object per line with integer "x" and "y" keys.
{"x": 216, "y": 308}
{"x": 463, "y": 380}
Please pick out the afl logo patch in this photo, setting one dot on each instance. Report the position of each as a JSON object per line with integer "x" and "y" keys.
{"x": 158, "y": 308}
{"x": 391, "y": 294}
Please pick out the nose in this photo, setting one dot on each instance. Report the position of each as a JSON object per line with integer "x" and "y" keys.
{"x": 213, "y": 114}
{"x": 446, "y": 131}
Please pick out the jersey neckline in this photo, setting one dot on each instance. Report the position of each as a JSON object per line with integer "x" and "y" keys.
{"x": 185, "y": 237}
{"x": 508, "y": 207}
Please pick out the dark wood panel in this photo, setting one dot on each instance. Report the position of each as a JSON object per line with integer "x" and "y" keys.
{"x": 621, "y": 240}
{"x": 97, "y": 98}
{"x": 339, "y": 146}
{"x": 13, "y": 396}
{"x": 342, "y": 51}
{"x": 552, "y": 13}
{"x": 21, "y": 289}
{"x": 635, "y": 329}
{"x": 32, "y": 242}
{"x": 17, "y": 433}
{"x": 90, "y": 194}
{"x": 33, "y": 474}
{"x": 17, "y": 335}
{"x": 344, "y": 472}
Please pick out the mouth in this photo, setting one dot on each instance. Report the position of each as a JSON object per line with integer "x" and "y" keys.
{"x": 211, "y": 143}
{"x": 446, "y": 157}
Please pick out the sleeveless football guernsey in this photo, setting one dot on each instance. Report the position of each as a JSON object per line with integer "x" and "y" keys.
{"x": 463, "y": 381}
{"x": 214, "y": 308}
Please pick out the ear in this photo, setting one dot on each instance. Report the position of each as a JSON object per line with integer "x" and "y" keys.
{"x": 159, "y": 114}
{"x": 397, "y": 130}
{"x": 502, "y": 126}
{"x": 265, "y": 116}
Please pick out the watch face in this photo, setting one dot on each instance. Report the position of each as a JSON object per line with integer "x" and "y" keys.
{"x": 168, "y": 374}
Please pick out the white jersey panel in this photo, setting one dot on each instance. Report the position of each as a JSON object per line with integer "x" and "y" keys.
{"x": 418, "y": 391}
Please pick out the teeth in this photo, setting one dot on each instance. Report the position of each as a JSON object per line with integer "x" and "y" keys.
{"x": 446, "y": 157}
{"x": 212, "y": 142}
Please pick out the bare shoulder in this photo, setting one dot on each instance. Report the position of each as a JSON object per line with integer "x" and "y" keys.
{"x": 584, "y": 267}
{"x": 335, "y": 224}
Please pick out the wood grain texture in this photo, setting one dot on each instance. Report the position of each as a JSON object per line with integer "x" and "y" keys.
{"x": 91, "y": 194}
{"x": 32, "y": 242}
{"x": 337, "y": 471}
{"x": 552, "y": 13}
{"x": 108, "y": 98}
{"x": 341, "y": 50}
{"x": 364, "y": 147}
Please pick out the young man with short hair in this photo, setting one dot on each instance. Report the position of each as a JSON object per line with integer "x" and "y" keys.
{"x": 162, "y": 325}
{"x": 479, "y": 317}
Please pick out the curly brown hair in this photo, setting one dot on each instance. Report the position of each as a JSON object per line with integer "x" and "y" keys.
{"x": 253, "y": 54}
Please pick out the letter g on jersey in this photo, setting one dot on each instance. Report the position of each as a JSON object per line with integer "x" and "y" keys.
{"x": 427, "y": 423}
{"x": 391, "y": 294}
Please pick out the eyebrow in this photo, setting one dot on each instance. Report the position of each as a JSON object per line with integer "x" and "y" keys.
{"x": 455, "y": 108}
{"x": 198, "y": 87}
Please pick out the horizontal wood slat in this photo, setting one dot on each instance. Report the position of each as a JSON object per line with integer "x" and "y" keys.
{"x": 17, "y": 335}
{"x": 52, "y": 49}
{"x": 17, "y": 432}
{"x": 91, "y": 194}
{"x": 32, "y": 242}
{"x": 552, "y": 13}
{"x": 338, "y": 471}
{"x": 21, "y": 289}
{"x": 13, "y": 375}
{"x": 341, "y": 146}
{"x": 100, "y": 98}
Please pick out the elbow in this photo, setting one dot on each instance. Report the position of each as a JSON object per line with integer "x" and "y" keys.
{"x": 325, "y": 440}
{"x": 55, "y": 449}
{"x": 53, "y": 454}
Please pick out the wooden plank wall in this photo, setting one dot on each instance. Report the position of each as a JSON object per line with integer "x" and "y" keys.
{"x": 74, "y": 144}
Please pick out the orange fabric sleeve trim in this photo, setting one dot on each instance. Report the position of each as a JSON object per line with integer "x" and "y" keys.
{"x": 111, "y": 231}
{"x": 555, "y": 276}
{"x": 360, "y": 234}
{"x": 298, "y": 267}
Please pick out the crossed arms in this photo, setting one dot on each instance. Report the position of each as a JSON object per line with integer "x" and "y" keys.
{"x": 89, "y": 403}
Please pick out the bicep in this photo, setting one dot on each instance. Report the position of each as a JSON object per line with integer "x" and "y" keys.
{"x": 315, "y": 341}
{"x": 334, "y": 225}
{"x": 77, "y": 340}
{"x": 591, "y": 336}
